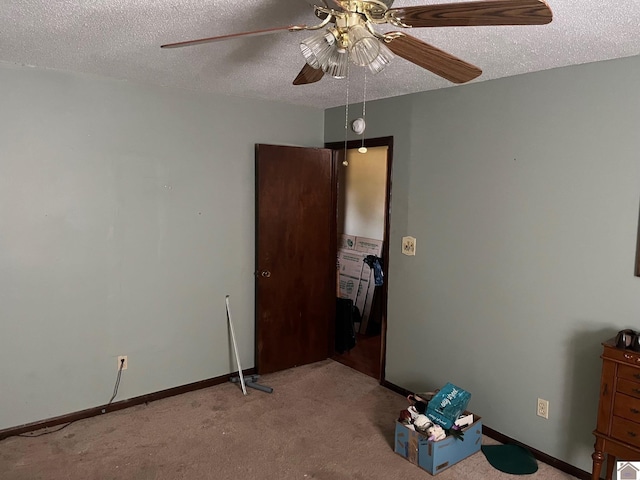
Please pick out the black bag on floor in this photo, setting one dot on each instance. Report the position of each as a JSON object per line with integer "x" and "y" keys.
{"x": 346, "y": 314}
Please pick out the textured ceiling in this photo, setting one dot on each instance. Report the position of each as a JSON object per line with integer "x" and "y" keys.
{"x": 121, "y": 39}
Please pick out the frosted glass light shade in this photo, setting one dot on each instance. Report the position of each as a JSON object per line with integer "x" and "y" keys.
{"x": 338, "y": 64}
{"x": 364, "y": 47}
{"x": 382, "y": 60}
{"x": 318, "y": 48}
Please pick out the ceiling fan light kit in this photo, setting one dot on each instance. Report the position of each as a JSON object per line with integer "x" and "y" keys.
{"x": 330, "y": 50}
{"x": 351, "y": 37}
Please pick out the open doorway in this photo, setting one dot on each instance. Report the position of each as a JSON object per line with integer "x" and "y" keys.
{"x": 363, "y": 200}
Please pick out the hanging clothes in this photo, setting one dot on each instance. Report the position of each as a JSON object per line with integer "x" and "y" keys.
{"x": 376, "y": 264}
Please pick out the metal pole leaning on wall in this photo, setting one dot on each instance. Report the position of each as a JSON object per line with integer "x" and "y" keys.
{"x": 235, "y": 345}
{"x": 251, "y": 380}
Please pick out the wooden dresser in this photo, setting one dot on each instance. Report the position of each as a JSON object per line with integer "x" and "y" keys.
{"x": 618, "y": 428}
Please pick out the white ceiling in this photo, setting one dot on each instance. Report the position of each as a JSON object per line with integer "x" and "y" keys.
{"x": 121, "y": 39}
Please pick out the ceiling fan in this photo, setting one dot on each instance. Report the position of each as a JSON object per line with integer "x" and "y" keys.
{"x": 346, "y": 33}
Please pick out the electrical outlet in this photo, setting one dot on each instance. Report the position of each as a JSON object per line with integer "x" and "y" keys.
{"x": 408, "y": 245}
{"x": 543, "y": 408}
{"x": 120, "y": 361}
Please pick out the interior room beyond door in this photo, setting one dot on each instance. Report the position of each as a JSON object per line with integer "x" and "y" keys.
{"x": 363, "y": 223}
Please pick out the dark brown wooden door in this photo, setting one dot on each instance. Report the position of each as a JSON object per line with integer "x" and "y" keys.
{"x": 295, "y": 256}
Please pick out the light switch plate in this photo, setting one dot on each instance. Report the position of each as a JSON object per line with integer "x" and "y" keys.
{"x": 408, "y": 245}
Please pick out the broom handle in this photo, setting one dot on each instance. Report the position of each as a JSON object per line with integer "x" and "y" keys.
{"x": 235, "y": 346}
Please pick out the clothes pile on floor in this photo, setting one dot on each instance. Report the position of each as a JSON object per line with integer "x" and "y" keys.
{"x": 439, "y": 414}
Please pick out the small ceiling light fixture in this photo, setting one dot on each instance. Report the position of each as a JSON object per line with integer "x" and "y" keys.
{"x": 358, "y": 126}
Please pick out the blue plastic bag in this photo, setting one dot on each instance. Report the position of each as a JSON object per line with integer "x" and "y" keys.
{"x": 447, "y": 405}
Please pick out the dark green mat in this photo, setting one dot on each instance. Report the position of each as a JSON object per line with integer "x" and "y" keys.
{"x": 510, "y": 459}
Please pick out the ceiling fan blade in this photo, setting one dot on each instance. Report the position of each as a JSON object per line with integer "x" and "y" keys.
{"x": 308, "y": 74}
{"x": 472, "y": 14}
{"x": 433, "y": 59}
{"x": 255, "y": 33}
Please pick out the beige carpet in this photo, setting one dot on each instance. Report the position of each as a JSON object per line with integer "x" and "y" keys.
{"x": 324, "y": 421}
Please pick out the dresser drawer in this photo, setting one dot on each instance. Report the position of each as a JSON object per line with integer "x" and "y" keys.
{"x": 627, "y": 407}
{"x": 626, "y": 430}
{"x": 630, "y": 373}
{"x": 629, "y": 388}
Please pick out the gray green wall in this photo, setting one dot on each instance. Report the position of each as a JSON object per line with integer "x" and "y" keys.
{"x": 523, "y": 194}
{"x": 126, "y": 216}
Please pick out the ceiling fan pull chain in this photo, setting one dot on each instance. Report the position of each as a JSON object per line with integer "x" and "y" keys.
{"x": 345, "y": 162}
{"x": 364, "y": 96}
{"x": 362, "y": 148}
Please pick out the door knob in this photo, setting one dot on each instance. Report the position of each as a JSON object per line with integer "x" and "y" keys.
{"x": 265, "y": 273}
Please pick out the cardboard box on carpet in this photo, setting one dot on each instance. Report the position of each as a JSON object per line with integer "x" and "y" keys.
{"x": 435, "y": 457}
